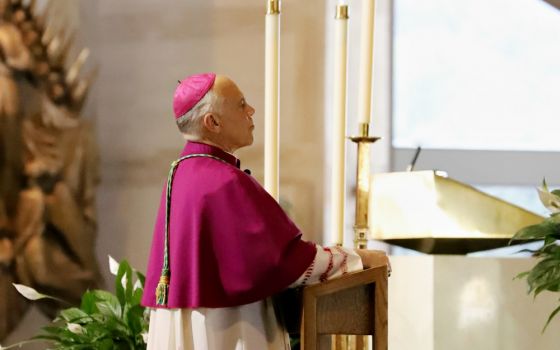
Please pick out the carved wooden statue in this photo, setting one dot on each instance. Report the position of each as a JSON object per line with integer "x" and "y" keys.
{"x": 48, "y": 167}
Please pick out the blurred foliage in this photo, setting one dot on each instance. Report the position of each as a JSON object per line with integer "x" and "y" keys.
{"x": 104, "y": 321}
{"x": 545, "y": 275}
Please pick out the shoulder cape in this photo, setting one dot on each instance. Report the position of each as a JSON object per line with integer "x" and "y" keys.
{"x": 230, "y": 243}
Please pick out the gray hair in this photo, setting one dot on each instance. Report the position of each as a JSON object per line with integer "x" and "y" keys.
{"x": 190, "y": 123}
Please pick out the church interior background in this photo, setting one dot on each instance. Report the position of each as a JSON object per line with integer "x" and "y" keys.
{"x": 474, "y": 83}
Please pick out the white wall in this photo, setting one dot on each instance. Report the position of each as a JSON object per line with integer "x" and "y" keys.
{"x": 143, "y": 48}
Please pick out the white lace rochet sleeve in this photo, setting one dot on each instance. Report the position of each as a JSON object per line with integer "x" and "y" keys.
{"x": 329, "y": 262}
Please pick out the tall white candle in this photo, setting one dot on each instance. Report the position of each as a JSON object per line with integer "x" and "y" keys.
{"x": 339, "y": 125}
{"x": 271, "y": 97}
{"x": 366, "y": 61}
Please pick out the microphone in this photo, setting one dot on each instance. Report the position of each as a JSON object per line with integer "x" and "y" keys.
{"x": 410, "y": 167}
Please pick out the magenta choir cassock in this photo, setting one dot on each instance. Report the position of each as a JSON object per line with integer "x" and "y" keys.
{"x": 230, "y": 243}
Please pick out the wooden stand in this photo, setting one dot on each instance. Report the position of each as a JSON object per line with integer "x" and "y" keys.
{"x": 354, "y": 304}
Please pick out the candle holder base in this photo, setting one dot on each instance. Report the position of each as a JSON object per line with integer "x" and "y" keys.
{"x": 364, "y": 139}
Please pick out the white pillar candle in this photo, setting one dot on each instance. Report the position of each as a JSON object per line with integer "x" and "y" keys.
{"x": 271, "y": 97}
{"x": 366, "y": 61}
{"x": 338, "y": 182}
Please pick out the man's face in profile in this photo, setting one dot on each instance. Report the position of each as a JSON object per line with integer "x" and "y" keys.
{"x": 235, "y": 114}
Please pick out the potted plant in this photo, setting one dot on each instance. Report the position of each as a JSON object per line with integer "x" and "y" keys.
{"x": 110, "y": 321}
{"x": 545, "y": 275}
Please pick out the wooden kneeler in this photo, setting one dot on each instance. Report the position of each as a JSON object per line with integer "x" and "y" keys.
{"x": 354, "y": 304}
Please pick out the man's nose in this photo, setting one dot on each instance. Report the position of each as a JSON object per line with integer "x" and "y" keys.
{"x": 251, "y": 111}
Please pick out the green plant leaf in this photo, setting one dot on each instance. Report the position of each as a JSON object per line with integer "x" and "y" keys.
{"x": 119, "y": 288}
{"x": 552, "y": 314}
{"x": 549, "y": 241}
{"x": 134, "y": 317}
{"x": 46, "y": 337}
{"x": 522, "y": 275}
{"x": 549, "y": 247}
{"x": 60, "y": 335}
{"x": 547, "y": 227}
{"x": 72, "y": 314}
{"x": 137, "y": 296}
{"x": 128, "y": 286}
{"x": 141, "y": 278}
{"x": 551, "y": 286}
{"x": 544, "y": 276}
{"x": 88, "y": 303}
{"x": 106, "y": 344}
{"x": 107, "y": 303}
{"x": 108, "y": 309}
{"x": 123, "y": 283}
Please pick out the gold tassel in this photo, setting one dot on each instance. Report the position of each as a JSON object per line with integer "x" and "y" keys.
{"x": 162, "y": 290}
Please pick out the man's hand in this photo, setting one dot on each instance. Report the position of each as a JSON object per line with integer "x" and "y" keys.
{"x": 374, "y": 258}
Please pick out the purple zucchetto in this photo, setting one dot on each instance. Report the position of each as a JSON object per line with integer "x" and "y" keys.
{"x": 190, "y": 91}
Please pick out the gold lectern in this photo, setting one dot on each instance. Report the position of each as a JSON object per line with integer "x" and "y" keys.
{"x": 431, "y": 213}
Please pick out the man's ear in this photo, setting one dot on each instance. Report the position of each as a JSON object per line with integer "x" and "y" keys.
{"x": 209, "y": 121}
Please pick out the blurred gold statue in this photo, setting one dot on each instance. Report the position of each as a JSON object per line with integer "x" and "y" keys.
{"x": 48, "y": 168}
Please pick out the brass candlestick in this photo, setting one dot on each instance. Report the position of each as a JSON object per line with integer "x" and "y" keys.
{"x": 272, "y": 7}
{"x": 341, "y": 12}
{"x": 361, "y": 228}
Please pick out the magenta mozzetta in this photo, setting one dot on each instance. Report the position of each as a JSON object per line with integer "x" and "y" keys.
{"x": 230, "y": 243}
